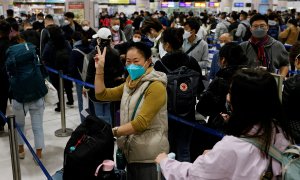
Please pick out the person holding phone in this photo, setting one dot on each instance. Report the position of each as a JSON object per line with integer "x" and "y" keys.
{"x": 144, "y": 120}
{"x": 113, "y": 70}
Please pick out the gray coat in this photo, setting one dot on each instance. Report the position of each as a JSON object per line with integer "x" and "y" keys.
{"x": 275, "y": 51}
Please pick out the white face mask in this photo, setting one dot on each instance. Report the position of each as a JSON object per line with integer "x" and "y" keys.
{"x": 117, "y": 16}
{"x": 151, "y": 39}
{"x": 186, "y": 34}
{"x": 40, "y": 21}
{"x": 23, "y": 18}
{"x": 222, "y": 44}
{"x": 85, "y": 28}
{"x": 67, "y": 22}
{"x": 177, "y": 20}
{"x": 116, "y": 27}
{"x": 122, "y": 16}
{"x": 136, "y": 39}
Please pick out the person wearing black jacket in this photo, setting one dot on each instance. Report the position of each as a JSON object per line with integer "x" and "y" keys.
{"x": 4, "y": 44}
{"x": 38, "y": 25}
{"x": 56, "y": 55}
{"x": 290, "y": 101}
{"x": 212, "y": 101}
{"x": 179, "y": 135}
{"x": 113, "y": 73}
{"x": 30, "y": 35}
{"x": 70, "y": 26}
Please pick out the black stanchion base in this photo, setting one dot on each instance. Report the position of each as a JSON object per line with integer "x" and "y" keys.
{"x": 61, "y": 133}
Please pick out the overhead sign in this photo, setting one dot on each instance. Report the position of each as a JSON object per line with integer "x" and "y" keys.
{"x": 238, "y": 4}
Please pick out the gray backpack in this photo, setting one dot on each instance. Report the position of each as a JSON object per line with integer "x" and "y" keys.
{"x": 289, "y": 158}
{"x": 85, "y": 65}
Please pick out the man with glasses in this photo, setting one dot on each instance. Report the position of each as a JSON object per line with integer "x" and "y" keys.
{"x": 264, "y": 51}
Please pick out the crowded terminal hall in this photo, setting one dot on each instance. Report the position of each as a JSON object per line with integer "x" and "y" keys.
{"x": 150, "y": 89}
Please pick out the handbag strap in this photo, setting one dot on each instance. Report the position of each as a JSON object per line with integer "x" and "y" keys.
{"x": 193, "y": 47}
{"x": 138, "y": 102}
{"x": 273, "y": 151}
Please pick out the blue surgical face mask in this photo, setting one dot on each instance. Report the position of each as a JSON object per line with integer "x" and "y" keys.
{"x": 259, "y": 33}
{"x": 135, "y": 71}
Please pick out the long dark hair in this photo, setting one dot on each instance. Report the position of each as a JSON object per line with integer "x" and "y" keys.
{"x": 255, "y": 101}
{"x": 233, "y": 54}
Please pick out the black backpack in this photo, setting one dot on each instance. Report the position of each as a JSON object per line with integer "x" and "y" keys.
{"x": 183, "y": 87}
{"x": 90, "y": 144}
{"x": 62, "y": 57}
{"x": 25, "y": 77}
{"x": 248, "y": 33}
{"x": 273, "y": 31}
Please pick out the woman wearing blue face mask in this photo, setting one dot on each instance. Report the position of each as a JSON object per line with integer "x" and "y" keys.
{"x": 144, "y": 125}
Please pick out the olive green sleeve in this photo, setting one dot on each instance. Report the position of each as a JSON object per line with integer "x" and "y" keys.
{"x": 111, "y": 94}
{"x": 155, "y": 98}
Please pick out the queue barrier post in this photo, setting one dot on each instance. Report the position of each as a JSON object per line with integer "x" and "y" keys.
{"x": 14, "y": 148}
{"x": 63, "y": 132}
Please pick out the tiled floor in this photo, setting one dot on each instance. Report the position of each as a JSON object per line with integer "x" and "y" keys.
{"x": 52, "y": 154}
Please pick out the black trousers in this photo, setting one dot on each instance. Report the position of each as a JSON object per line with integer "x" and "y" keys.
{"x": 3, "y": 97}
{"x": 142, "y": 171}
{"x": 54, "y": 78}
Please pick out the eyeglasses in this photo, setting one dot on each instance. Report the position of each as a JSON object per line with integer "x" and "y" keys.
{"x": 263, "y": 26}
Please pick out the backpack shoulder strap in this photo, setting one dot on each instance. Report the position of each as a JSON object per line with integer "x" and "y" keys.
{"x": 273, "y": 151}
{"x": 245, "y": 25}
{"x": 78, "y": 50}
{"x": 164, "y": 66}
{"x": 193, "y": 46}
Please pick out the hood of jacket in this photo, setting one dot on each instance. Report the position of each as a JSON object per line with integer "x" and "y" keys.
{"x": 229, "y": 71}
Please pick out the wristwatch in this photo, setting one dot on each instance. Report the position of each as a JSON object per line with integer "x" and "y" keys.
{"x": 115, "y": 131}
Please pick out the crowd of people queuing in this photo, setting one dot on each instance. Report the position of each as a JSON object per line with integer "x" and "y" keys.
{"x": 129, "y": 59}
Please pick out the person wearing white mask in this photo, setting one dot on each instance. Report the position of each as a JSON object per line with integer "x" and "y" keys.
{"x": 70, "y": 26}
{"x": 153, "y": 29}
{"x": 38, "y": 25}
{"x": 87, "y": 30}
{"x": 137, "y": 36}
{"x": 118, "y": 36}
{"x": 193, "y": 45}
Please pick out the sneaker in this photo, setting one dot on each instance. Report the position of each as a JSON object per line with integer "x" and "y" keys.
{"x": 22, "y": 155}
{"x": 70, "y": 104}
{"x": 57, "y": 109}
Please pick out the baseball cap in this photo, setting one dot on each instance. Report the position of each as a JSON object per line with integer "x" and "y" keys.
{"x": 103, "y": 33}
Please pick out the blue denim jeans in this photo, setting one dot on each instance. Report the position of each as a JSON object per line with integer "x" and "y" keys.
{"x": 102, "y": 111}
{"x": 79, "y": 99}
{"x": 58, "y": 175}
{"x": 180, "y": 137}
{"x": 36, "y": 111}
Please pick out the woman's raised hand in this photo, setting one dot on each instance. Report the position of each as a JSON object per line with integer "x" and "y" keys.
{"x": 100, "y": 58}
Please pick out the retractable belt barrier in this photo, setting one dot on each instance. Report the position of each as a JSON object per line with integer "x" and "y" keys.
{"x": 2, "y": 116}
{"x": 172, "y": 117}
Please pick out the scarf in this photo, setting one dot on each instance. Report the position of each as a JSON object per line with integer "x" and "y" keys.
{"x": 133, "y": 84}
{"x": 261, "y": 54}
